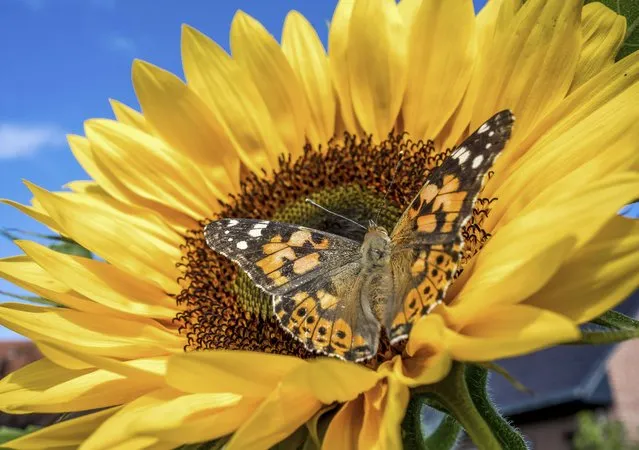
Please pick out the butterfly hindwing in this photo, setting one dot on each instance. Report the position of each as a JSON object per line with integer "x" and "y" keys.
{"x": 427, "y": 238}
{"x": 329, "y": 315}
{"x": 313, "y": 277}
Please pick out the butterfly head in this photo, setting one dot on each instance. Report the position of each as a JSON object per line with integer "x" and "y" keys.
{"x": 376, "y": 246}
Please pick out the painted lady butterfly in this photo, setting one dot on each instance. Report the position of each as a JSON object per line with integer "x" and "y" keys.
{"x": 334, "y": 294}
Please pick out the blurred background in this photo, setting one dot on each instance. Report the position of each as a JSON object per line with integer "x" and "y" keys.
{"x": 62, "y": 60}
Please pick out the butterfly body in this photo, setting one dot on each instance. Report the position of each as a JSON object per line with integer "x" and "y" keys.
{"x": 335, "y": 294}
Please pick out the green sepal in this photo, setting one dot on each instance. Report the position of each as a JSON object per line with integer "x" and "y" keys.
{"x": 444, "y": 437}
{"x": 506, "y": 434}
{"x": 505, "y": 374}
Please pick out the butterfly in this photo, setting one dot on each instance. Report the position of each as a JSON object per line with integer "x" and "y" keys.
{"x": 335, "y": 294}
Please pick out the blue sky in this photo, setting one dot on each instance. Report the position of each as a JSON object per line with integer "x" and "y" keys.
{"x": 63, "y": 59}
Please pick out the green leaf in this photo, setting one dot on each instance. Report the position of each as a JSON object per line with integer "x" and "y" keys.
{"x": 617, "y": 320}
{"x": 630, "y": 10}
{"x": 508, "y": 436}
{"x": 8, "y": 433}
{"x": 618, "y": 328}
{"x": 606, "y": 337}
{"x": 71, "y": 248}
{"x": 29, "y": 298}
{"x": 599, "y": 432}
{"x": 60, "y": 243}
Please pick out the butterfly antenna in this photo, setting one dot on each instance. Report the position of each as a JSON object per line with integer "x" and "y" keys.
{"x": 390, "y": 186}
{"x": 308, "y": 200}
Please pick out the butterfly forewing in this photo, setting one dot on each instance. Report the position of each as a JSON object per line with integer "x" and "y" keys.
{"x": 313, "y": 277}
{"x": 427, "y": 238}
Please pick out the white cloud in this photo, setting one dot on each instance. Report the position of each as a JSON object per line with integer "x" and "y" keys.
{"x": 119, "y": 43}
{"x": 25, "y": 140}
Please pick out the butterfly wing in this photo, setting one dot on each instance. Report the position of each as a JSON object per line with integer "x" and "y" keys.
{"x": 427, "y": 238}
{"x": 313, "y": 277}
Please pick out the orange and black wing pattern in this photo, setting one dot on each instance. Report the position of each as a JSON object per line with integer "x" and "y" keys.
{"x": 313, "y": 277}
{"x": 427, "y": 238}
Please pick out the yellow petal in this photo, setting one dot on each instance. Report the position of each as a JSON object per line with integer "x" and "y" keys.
{"x": 377, "y": 64}
{"x": 427, "y": 360}
{"x": 515, "y": 263}
{"x": 573, "y": 166}
{"x": 331, "y": 380}
{"x": 603, "y": 32}
{"x": 110, "y": 184}
{"x": 182, "y": 119}
{"x": 85, "y": 187}
{"x": 343, "y": 431}
{"x": 130, "y": 116}
{"x": 338, "y": 44}
{"x": 104, "y": 283}
{"x": 305, "y": 52}
{"x": 441, "y": 55}
{"x": 143, "y": 168}
{"x": 280, "y": 414}
{"x": 197, "y": 426}
{"x": 68, "y": 434}
{"x": 531, "y": 65}
{"x": 106, "y": 336}
{"x": 133, "y": 240}
{"x": 601, "y": 127}
{"x": 148, "y": 419}
{"x": 509, "y": 330}
{"x": 596, "y": 278}
{"x": 34, "y": 213}
{"x": 494, "y": 18}
{"x": 598, "y": 114}
{"x": 583, "y": 210}
{"x": 232, "y": 371}
{"x": 25, "y": 273}
{"x": 397, "y": 397}
{"x": 261, "y": 56}
{"x": 45, "y": 387}
{"x": 83, "y": 153}
{"x": 233, "y": 98}
{"x": 372, "y": 421}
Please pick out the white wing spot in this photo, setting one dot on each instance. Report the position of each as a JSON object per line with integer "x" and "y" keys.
{"x": 260, "y": 225}
{"x": 227, "y": 232}
{"x": 230, "y": 239}
{"x": 488, "y": 145}
{"x": 485, "y": 127}
{"x": 491, "y": 134}
{"x": 242, "y": 245}
{"x": 457, "y": 152}
{"x": 255, "y": 232}
{"x": 463, "y": 157}
{"x": 232, "y": 223}
{"x": 477, "y": 161}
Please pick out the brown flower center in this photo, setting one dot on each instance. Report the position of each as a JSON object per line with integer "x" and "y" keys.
{"x": 222, "y": 309}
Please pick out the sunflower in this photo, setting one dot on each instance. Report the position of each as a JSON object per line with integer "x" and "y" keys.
{"x": 161, "y": 342}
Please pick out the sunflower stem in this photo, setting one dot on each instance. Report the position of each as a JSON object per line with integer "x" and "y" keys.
{"x": 452, "y": 392}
